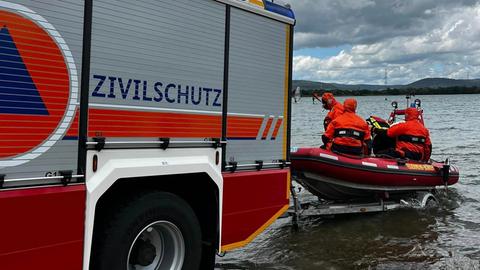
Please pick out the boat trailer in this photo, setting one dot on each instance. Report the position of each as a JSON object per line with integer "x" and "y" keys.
{"x": 418, "y": 200}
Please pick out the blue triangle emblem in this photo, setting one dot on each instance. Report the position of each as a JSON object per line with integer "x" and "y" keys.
{"x": 18, "y": 93}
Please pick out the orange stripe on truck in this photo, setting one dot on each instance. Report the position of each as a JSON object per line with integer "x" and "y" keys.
{"x": 123, "y": 123}
{"x": 243, "y": 127}
{"x": 128, "y": 123}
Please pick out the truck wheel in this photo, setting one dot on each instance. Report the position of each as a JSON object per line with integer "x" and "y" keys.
{"x": 156, "y": 231}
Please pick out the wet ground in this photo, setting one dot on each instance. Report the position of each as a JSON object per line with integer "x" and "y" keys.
{"x": 445, "y": 237}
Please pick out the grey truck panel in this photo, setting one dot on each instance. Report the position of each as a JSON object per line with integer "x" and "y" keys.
{"x": 39, "y": 85}
{"x": 261, "y": 12}
{"x": 160, "y": 61}
{"x": 258, "y": 63}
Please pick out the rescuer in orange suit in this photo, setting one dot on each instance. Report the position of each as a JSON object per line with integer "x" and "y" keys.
{"x": 412, "y": 138}
{"x": 335, "y": 108}
{"x": 348, "y": 133}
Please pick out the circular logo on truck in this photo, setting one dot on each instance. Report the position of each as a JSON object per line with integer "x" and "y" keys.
{"x": 38, "y": 85}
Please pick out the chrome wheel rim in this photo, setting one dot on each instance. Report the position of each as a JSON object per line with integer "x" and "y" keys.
{"x": 158, "y": 246}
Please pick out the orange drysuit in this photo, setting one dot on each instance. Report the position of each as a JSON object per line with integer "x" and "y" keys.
{"x": 335, "y": 108}
{"x": 348, "y": 133}
{"x": 413, "y": 139}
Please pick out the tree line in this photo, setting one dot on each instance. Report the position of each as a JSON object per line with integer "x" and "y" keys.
{"x": 454, "y": 90}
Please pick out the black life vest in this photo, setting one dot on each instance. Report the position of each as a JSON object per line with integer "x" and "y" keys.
{"x": 350, "y": 133}
{"x": 412, "y": 139}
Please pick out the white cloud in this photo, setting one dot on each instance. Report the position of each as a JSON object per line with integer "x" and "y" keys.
{"x": 445, "y": 43}
{"x": 355, "y": 4}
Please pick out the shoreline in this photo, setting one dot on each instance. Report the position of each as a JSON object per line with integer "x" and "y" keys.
{"x": 397, "y": 92}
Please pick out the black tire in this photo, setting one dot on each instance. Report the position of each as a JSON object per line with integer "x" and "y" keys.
{"x": 114, "y": 240}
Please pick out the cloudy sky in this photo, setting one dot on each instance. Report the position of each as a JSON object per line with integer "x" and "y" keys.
{"x": 354, "y": 41}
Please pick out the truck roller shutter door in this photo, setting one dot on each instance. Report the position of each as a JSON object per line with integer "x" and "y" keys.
{"x": 257, "y": 98}
{"x": 157, "y": 69}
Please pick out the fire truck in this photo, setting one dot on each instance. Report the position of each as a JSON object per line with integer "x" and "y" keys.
{"x": 141, "y": 134}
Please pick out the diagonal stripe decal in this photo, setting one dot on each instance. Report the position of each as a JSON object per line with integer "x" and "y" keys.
{"x": 267, "y": 127}
{"x": 277, "y": 127}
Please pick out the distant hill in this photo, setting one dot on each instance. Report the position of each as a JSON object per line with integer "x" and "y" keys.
{"x": 356, "y": 87}
{"x": 420, "y": 84}
{"x": 313, "y": 85}
{"x": 443, "y": 82}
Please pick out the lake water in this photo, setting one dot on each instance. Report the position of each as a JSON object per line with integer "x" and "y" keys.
{"x": 447, "y": 237}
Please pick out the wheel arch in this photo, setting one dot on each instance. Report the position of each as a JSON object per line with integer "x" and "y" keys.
{"x": 197, "y": 189}
{"x": 195, "y": 182}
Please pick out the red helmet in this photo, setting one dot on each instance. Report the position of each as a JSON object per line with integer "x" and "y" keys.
{"x": 350, "y": 105}
{"x": 412, "y": 114}
{"x": 328, "y": 100}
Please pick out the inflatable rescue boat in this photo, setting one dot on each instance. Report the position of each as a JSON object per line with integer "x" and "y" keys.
{"x": 336, "y": 177}
{"x": 341, "y": 177}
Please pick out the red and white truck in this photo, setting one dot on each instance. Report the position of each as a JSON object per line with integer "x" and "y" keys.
{"x": 141, "y": 134}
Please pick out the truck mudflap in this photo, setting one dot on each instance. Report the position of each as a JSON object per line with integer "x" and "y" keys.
{"x": 251, "y": 202}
